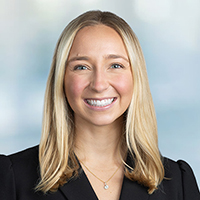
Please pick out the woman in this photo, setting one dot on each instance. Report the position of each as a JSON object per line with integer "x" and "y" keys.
{"x": 99, "y": 137}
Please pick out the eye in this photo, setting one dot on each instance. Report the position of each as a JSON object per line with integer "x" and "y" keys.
{"x": 116, "y": 66}
{"x": 80, "y": 67}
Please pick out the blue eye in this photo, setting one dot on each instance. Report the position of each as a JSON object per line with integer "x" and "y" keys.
{"x": 80, "y": 67}
{"x": 116, "y": 66}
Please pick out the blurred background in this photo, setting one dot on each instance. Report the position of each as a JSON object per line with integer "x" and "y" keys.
{"x": 169, "y": 33}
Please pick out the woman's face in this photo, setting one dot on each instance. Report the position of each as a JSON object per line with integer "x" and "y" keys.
{"x": 98, "y": 79}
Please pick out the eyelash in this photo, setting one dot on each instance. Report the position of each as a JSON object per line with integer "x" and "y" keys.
{"x": 83, "y": 67}
{"x": 77, "y": 67}
{"x": 116, "y": 64}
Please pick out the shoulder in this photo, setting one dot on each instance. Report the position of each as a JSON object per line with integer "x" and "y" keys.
{"x": 176, "y": 170}
{"x": 6, "y": 178}
{"x": 21, "y": 158}
{"x": 23, "y": 161}
{"x": 5, "y": 162}
{"x": 179, "y": 180}
{"x": 25, "y": 157}
{"x": 25, "y": 165}
{"x": 18, "y": 171}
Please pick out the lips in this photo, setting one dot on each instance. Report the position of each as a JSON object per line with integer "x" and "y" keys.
{"x": 100, "y": 103}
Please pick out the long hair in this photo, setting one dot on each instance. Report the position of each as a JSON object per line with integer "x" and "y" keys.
{"x": 56, "y": 157}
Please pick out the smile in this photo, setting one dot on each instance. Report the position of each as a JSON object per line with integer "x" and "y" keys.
{"x": 100, "y": 103}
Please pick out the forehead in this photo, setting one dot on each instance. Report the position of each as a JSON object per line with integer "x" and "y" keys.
{"x": 99, "y": 29}
{"x": 98, "y": 39}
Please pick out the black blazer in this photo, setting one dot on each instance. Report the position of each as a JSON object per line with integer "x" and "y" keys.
{"x": 19, "y": 174}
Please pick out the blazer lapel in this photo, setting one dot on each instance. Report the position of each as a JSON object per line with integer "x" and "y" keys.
{"x": 132, "y": 190}
{"x": 79, "y": 188}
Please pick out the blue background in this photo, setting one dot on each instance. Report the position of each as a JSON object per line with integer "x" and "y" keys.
{"x": 169, "y": 33}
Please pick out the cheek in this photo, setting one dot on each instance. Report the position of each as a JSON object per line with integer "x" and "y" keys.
{"x": 74, "y": 87}
{"x": 124, "y": 85}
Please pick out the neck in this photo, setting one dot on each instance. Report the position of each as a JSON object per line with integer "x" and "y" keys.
{"x": 98, "y": 143}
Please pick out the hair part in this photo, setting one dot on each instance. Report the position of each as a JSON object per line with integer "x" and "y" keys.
{"x": 56, "y": 157}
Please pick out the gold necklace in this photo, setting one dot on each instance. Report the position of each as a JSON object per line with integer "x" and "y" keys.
{"x": 104, "y": 182}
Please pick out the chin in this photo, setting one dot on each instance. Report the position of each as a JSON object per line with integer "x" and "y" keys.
{"x": 105, "y": 122}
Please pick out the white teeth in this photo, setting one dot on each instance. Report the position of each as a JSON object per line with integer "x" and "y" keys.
{"x": 100, "y": 103}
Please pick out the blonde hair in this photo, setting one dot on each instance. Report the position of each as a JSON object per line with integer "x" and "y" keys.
{"x": 57, "y": 161}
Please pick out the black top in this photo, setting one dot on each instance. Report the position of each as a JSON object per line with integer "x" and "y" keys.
{"x": 19, "y": 174}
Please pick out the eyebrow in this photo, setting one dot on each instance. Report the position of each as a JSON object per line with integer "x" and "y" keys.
{"x": 78, "y": 58}
{"x": 109, "y": 56}
{"x": 116, "y": 56}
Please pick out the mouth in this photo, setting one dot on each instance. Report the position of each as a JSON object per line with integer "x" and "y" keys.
{"x": 100, "y": 103}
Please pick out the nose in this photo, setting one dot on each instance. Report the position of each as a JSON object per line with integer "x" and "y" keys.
{"x": 99, "y": 81}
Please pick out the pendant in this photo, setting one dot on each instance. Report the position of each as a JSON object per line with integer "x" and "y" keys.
{"x": 105, "y": 186}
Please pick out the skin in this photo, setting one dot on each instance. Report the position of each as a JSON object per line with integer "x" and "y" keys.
{"x": 98, "y": 69}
